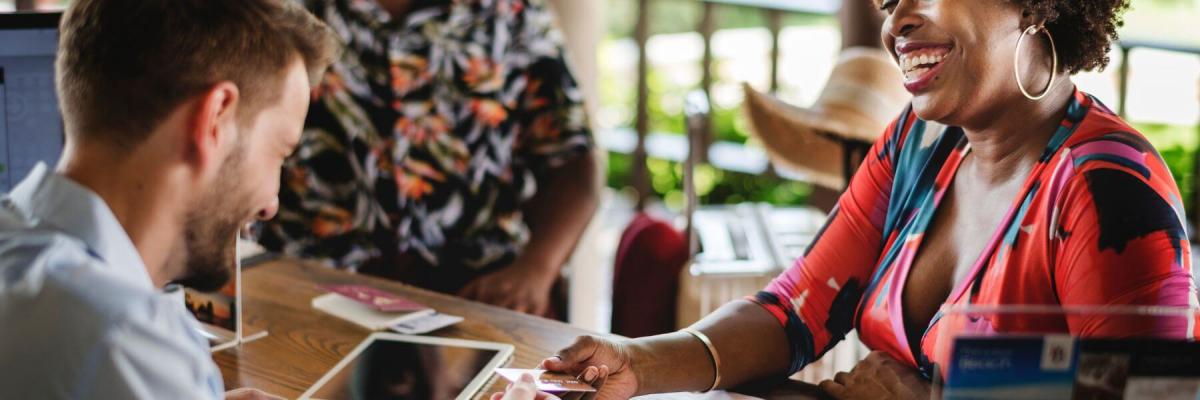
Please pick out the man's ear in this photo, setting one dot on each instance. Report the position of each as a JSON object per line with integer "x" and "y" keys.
{"x": 213, "y": 125}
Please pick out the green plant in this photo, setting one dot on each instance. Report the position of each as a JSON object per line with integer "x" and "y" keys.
{"x": 713, "y": 186}
{"x": 1178, "y": 146}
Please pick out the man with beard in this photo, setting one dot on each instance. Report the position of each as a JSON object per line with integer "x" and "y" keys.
{"x": 178, "y": 115}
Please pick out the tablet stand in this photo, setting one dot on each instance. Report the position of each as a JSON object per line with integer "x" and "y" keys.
{"x": 221, "y": 338}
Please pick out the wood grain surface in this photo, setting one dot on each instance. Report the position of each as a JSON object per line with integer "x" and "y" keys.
{"x": 303, "y": 344}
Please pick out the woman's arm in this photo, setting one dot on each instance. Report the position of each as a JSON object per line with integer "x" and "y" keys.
{"x": 749, "y": 343}
{"x": 1120, "y": 241}
{"x": 800, "y": 315}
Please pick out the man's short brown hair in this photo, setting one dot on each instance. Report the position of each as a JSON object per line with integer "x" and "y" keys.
{"x": 124, "y": 65}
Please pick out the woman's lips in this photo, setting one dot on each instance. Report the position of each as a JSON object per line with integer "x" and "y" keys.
{"x": 921, "y": 78}
{"x": 921, "y": 65}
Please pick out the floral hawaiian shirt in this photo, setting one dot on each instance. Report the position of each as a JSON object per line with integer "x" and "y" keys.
{"x": 428, "y": 135}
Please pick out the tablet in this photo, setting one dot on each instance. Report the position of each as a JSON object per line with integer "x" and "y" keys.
{"x": 392, "y": 366}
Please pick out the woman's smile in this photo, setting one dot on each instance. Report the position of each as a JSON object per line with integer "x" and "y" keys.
{"x": 921, "y": 62}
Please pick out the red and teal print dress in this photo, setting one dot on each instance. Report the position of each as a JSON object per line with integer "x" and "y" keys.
{"x": 1098, "y": 221}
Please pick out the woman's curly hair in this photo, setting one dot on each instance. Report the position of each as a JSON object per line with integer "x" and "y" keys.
{"x": 1083, "y": 29}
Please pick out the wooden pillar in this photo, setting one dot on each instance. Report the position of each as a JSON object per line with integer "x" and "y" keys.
{"x": 1195, "y": 200}
{"x": 582, "y": 25}
{"x": 775, "y": 26}
{"x": 1124, "y": 82}
{"x": 640, "y": 174}
{"x": 708, "y": 26}
{"x": 861, "y": 23}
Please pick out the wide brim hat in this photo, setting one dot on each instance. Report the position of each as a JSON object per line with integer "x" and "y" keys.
{"x": 863, "y": 95}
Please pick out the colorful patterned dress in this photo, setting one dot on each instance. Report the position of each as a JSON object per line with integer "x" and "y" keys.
{"x": 427, "y": 137}
{"x": 1098, "y": 221}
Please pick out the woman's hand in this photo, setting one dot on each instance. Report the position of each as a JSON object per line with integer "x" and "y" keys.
{"x": 878, "y": 377}
{"x": 591, "y": 354}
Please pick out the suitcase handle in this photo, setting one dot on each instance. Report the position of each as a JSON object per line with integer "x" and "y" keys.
{"x": 696, "y": 112}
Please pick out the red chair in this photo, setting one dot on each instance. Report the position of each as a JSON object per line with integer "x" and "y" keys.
{"x": 650, "y": 257}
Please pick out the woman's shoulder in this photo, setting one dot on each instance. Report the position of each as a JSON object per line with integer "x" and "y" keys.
{"x": 1103, "y": 140}
{"x": 1107, "y": 160}
{"x": 1095, "y": 119}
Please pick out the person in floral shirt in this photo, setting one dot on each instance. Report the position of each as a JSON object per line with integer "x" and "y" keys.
{"x": 448, "y": 147}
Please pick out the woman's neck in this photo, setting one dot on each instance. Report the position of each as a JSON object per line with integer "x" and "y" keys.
{"x": 1008, "y": 143}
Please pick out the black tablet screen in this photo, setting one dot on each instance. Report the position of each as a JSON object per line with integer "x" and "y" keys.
{"x": 402, "y": 370}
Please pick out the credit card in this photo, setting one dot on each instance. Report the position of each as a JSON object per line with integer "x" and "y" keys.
{"x": 547, "y": 381}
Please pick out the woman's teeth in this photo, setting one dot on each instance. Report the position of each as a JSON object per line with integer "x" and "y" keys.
{"x": 916, "y": 64}
{"x": 914, "y": 74}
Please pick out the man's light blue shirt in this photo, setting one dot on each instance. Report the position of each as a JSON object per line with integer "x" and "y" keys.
{"x": 79, "y": 316}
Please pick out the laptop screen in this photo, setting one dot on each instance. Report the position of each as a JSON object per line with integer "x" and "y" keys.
{"x": 31, "y": 128}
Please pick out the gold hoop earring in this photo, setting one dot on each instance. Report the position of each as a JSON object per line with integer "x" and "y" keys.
{"x": 1033, "y": 30}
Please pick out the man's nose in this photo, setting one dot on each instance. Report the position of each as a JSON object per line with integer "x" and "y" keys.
{"x": 268, "y": 212}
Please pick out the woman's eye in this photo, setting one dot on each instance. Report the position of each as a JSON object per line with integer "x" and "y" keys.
{"x": 888, "y": 5}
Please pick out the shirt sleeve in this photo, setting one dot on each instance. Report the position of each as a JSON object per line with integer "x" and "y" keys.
{"x": 1120, "y": 241}
{"x": 815, "y": 299}
{"x": 551, "y": 117}
{"x": 142, "y": 360}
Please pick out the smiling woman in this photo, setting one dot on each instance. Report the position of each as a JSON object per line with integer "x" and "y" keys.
{"x": 1085, "y": 30}
{"x": 1000, "y": 184}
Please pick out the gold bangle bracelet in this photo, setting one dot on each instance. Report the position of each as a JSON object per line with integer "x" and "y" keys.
{"x": 712, "y": 352}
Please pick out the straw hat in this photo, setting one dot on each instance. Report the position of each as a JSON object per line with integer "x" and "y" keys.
{"x": 864, "y": 93}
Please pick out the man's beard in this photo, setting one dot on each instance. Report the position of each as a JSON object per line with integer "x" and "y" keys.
{"x": 209, "y": 248}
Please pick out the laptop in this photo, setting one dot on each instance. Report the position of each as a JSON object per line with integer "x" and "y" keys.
{"x": 31, "y": 129}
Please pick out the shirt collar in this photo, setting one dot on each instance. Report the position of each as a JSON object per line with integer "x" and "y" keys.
{"x": 56, "y": 202}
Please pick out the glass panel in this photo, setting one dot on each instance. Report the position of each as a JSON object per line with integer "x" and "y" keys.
{"x": 1078, "y": 352}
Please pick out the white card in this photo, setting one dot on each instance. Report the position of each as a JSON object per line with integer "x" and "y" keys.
{"x": 426, "y": 324}
{"x": 546, "y": 381}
